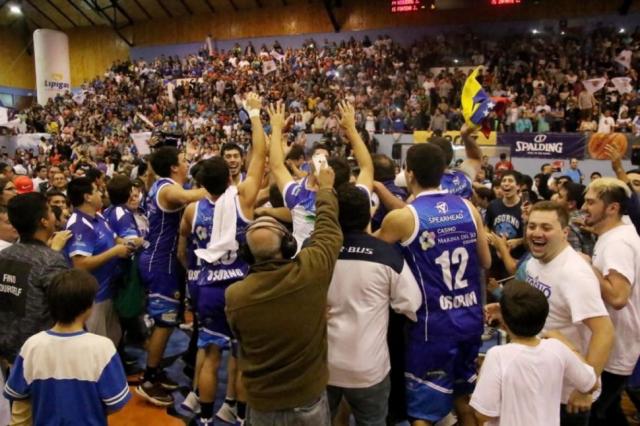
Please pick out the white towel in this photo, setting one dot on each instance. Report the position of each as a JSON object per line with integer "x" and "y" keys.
{"x": 223, "y": 234}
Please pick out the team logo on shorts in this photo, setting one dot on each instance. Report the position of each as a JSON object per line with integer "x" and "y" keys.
{"x": 176, "y": 295}
{"x": 427, "y": 240}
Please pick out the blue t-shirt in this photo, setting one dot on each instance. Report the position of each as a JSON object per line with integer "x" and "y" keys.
{"x": 443, "y": 257}
{"x": 381, "y": 212}
{"x": 71, "y": 379}
{"x": 457, "y": 182}
{"x": 160, "y": 253}
{"x": 91, "y": 236}
{"x": 122, "y": 221}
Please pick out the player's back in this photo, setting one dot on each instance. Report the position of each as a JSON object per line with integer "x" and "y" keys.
{"x": 456, "y": 182}
{"x": 443, "y": 257}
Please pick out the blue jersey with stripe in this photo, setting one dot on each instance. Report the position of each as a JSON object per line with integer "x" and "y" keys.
{"x": 199, "y": 238}
{"x": 230, "y": 267}
{"x": 161, "y": 251}
{"x": 456, "y": 182}
{"x": 443, "y": 258}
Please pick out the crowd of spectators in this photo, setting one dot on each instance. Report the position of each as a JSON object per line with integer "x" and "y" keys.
{"x": 394, "y": 89}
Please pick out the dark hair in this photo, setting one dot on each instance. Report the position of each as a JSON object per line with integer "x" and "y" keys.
{"x": 55, "y": 193}
{"x": 342, "y": 170}
{"x": 600, "y": 174}
{"x": 71, "y": 293}
{"x": 544, "y": 165}
{"x": 162, "y": 159}
{"x": 485, "y": 193}
{"x": 575, "y": 192}
{"x": 503, "y": 156}
{"x": 94, "y": 174}
{"x": 3, "y": 167}
{"x": 230, "y": 146}
{"x": 40, "y": 167}
{"x": 119, "y": 189}
{"x": 524, "y": 308}
{"x": 526, "y": 181}
{"x": 445, "y": 146}
{"x": 213, "y": 175}
{"x": 26, "y": 211}
{"x": 383, "y": 168}
{"x": 427, "y": 162}
{"x": 77, "y": 188}
{"x": 3, "y": 183}
{"x": 319, "y": 145}
{"x": 354, "y": 208}
{"x": 636, "y": 171}
{"x": 552, "y": 206}
{"x": 295, "y": 153}
{"x": 516, "y": 175}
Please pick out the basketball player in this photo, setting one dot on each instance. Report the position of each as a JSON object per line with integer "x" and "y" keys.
{"x": 446, "y": 247}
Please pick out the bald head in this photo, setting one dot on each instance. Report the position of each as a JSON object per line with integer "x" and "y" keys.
{"x": 264, "y": 237}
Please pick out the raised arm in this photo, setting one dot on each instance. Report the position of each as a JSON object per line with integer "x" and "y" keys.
{"x": 473, "y": 163}
{"x": 397, "y": 226}
{"x": 276, "y": 153}
{"x": 360, "y": 151}
{"x": 249, "y": 188}
{"x": 185, "y": 230}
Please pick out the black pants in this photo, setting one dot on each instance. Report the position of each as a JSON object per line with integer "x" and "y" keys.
{"x": 577, "y": 419}
{"x": 607, "y": 409}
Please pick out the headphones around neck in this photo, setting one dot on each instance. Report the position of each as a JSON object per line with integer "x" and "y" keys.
{"x": 288, "y": 244}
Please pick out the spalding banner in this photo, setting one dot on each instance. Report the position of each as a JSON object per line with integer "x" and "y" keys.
{"x": 544, "y": 145}
{"x": 53, "y": 76}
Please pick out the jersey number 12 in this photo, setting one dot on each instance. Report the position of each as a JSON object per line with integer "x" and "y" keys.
{"x": 459, "y": 257}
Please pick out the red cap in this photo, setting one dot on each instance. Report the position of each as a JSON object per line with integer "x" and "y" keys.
{"x": 23, "y": 184}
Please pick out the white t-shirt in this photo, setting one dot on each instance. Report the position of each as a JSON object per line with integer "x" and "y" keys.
{"x": 619, "y": 249}
{"x": 606, "y": 124}
{"x": 522, "y": 385}
{"x": 573, "y": 292}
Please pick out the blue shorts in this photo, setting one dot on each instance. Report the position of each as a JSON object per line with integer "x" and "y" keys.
{"x": 213, "y": 327}
{"x": 164, "y": 304}
{"x": 436, "y": 372}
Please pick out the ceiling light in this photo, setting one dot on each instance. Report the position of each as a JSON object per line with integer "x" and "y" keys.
{"x": 15, "y": 10}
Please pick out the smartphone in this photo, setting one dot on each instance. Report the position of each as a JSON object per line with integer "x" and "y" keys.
{"x": 319, "y": 163}
{"x": 524, "y": 196}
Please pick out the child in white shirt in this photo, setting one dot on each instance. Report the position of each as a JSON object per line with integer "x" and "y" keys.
{"x": 521, "y": 383}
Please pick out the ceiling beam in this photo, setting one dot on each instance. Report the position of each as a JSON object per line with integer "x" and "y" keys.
{"x": 186, "y": 6}
{"x": 165, "y": 9}
{"x": 84, "y": 15}
{"x": 209, "y": 5}
{"x": 113, "y": 21}
{"x": 147, "y": 14}
{"x": 332, "y": 17}
{"x": 55, "y": 24}
{"x": 234, "y": 5}
{"x": 64, "y": 15}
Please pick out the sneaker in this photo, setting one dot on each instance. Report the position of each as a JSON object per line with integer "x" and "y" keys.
{"x": 227, "y": 413}
{"x": 191, "y": 403}
{"x": 165, "y": 381}
{"x": 155, "y": 394}
{"x": 489, "y": 333}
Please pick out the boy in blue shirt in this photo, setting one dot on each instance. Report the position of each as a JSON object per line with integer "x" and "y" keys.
{"x": 69, "y": 376}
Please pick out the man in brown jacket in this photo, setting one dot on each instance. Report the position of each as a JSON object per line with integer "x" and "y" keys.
{"x": 278, "y": 313}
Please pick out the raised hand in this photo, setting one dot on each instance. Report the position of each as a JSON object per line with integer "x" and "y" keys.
{"x": 276, "y": 115}
{"x": 326, "y": 177}
{"x": 347, "y": 116}
{"x": 253, "y": 101}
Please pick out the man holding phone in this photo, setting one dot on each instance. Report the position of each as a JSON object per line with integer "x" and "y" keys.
{"x": 300, "y": 197}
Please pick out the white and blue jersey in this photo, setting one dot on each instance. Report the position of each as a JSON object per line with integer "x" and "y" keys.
{"x": 213, "y": 279}
{"x": 161, "y": 254}
{"x": 91, "y": 236}
{"x": 301, "y": 200}
{"x": 457, "y": 182}
{"x": 122, "y": 221}
{"x": 70, "y": 379}
{"x": 443, "y": 257}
